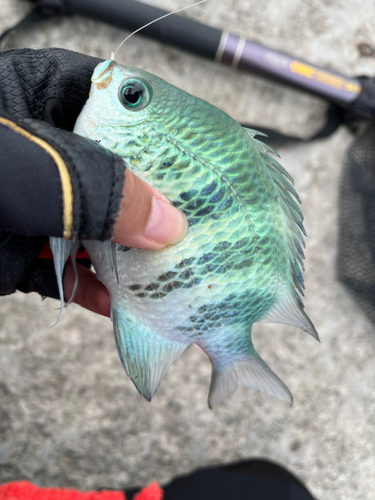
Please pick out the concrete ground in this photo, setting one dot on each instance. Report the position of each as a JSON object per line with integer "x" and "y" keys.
{"x": 69, "y": 416}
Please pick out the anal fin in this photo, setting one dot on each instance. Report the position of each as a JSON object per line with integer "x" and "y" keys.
{"x": 145, "y": 355}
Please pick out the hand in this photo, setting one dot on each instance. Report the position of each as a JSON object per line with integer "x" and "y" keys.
{"x": 40, "y": 155}
{"x": 146, "y": 220}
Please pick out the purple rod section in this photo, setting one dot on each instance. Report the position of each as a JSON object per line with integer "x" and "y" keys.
{"x": 245, "y": 55}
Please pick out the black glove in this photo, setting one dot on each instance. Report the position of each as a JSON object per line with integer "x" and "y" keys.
{"x": 52, "y": 182}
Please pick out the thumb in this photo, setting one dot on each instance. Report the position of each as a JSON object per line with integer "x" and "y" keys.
{"x": 146, "y": 219}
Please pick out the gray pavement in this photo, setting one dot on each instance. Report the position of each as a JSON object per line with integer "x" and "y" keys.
{"x": 69, "y": 416}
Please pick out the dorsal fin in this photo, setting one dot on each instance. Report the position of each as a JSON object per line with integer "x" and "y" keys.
{"x": 288, "y": 310}
{"x": 289, "y": 307}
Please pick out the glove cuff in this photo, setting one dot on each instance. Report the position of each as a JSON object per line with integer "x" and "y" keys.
{"x": 45, "y": 163}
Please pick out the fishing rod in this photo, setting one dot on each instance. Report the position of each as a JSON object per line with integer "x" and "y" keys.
{"x": 354, "y": 95}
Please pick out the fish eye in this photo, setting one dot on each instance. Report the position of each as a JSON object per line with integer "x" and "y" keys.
{"x": 135, "y": 94}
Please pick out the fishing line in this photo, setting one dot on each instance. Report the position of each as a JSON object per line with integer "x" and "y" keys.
{"x": 113, "y": 55}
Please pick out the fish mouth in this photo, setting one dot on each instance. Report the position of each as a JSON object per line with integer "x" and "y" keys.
{"x": 102, "y": 75}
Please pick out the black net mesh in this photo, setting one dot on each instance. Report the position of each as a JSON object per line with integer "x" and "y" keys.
{"x": 356, "y": 252}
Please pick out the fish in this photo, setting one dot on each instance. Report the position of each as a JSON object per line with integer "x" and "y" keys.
{"x": 242, "y": 259}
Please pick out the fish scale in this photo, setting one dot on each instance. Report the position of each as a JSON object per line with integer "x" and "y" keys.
{"x": 241, "y": 261}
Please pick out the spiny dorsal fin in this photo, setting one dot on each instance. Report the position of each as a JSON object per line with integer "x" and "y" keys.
{"x": 289, "y": 308}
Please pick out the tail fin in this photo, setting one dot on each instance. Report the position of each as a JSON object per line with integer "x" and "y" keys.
{"x": 145, "y": 355}
{"x": 254, "y": 373}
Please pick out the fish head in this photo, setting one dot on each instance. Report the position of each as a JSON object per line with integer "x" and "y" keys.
{"x": 125, "y": 100}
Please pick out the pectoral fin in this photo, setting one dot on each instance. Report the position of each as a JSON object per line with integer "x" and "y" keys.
{"x": 105, "y": 251}
{"x": 146, "y": 355}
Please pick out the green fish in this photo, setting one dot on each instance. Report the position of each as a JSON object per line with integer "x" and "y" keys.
{"x": 242, "y": 260}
